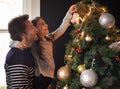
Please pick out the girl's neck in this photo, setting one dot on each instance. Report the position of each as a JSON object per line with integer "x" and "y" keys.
{"x": 42, "y": 37}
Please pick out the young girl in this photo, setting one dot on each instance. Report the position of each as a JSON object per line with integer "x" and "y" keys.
{"x": 42, "y": 49}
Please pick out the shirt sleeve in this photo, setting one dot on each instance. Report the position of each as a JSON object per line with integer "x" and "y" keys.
{"x": 17, "y": 76}
{"x": 62, "y": 28}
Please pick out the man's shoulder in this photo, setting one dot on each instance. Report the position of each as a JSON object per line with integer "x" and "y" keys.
{"x": 14, "y": 56}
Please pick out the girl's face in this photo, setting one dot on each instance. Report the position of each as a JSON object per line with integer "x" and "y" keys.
{"x": 42, "y": 28}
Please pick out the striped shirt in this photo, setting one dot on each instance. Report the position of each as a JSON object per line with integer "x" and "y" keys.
{"x": 19, "y": 68}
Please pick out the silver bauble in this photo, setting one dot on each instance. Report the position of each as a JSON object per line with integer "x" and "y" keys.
{"x": 106, "y": 20}
{"x": 115, "y": 46}
{"x": 88, "y": 78}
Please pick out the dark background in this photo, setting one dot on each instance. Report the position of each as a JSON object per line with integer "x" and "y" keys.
{"x": 53, "y": 11}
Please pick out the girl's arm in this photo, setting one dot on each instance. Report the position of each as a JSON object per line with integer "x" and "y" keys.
{"x": 17, "y": 44}
{"x": 64, "y": 25}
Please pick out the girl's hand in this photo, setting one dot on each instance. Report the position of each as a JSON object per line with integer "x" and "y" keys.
{"x": 72, "y": 9}
{"x": 22, "y": 45}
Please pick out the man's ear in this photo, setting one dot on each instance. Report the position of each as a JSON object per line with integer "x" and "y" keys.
{"x": 22, "y": 36}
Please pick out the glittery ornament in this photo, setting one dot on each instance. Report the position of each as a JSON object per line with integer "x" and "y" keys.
{"x": 107, "y": 38}
{"x": 81, "y": 68}
{"x": 88, "y": 38}
{"x": 77, "y": 31}
{"x": 79, "y": 50}
{"x": 115, "y": 46}
{"x": 75, "y": 19}
{"x": 107, "y": 20}
{"x": 88, "y": 78}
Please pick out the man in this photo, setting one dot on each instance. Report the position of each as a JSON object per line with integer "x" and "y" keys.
{"x": 19, "y": 64}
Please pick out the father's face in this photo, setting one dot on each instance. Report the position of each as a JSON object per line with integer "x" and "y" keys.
{"x": 31, "y": 32}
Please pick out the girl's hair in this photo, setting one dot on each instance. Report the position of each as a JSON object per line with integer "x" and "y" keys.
{"x": 39, "y": 48}
{"x": 35, "y": 20}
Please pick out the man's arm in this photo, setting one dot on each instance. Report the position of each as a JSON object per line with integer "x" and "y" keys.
{"x": 17, "y": 76}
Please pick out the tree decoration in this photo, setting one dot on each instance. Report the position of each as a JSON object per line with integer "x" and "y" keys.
{"x": 79, "y": 50}
{"x": 66, "y": 87}
{"x": 115, "y": 46}
{"x": 81, "y": 68}
{"x": 77, "y": 31}
{"x": 88, "y": 38}
{"x": 107, "y": 20}
{"x": 95, "y": 43}
{"x": 107, "y": 38}
{"x": 88, "y": 78}
{"x": 75, "y": 19}
{"x": 64, "y": 73}
{"x": 117, "y": 58}
{"x": 69, "y": 58}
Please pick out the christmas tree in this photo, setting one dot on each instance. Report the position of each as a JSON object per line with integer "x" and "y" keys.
{"x": 92, "y": 57}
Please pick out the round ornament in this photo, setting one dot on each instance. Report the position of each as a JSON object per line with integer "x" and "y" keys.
{"x": 65, "y": 87}
{"x": 79, "y": 50}
{"x": 77, "y": 31}
{"x": 88, "y": 38}
{"x": 64, "y": 73}
{"x": 107, "y": 38}
{"x": 81, "y": 68}
{"x": 88, "y": 78}
{"x": 115, "y": 46}
{"x": 107, "y": 20}
{"x": 75, "y": 19}
{"x": 117, "y": 58}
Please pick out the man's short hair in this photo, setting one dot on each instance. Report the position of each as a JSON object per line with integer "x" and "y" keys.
{"x": 17, "y": 26}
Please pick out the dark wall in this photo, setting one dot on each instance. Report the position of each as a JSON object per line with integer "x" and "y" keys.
{"x": 53, "y": 12}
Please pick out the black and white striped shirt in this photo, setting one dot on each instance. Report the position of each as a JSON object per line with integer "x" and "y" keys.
{"x": 19, "y": 68}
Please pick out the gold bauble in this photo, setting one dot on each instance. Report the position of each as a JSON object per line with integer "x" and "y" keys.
{"x": 88, "y": 38}
{"x": 70, "y": 59}
{"x": 107, "y": 38}
{"x": 64, "y": 73}
{"x": 81, "y": 68}
{"x": 66, "y": 87}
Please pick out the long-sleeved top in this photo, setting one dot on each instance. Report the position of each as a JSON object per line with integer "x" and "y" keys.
{"x": 19, "y": 68}
{"x": 46, "y": 65}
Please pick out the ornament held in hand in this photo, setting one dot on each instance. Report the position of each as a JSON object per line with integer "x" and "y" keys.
{"x": 75, "y": 19}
